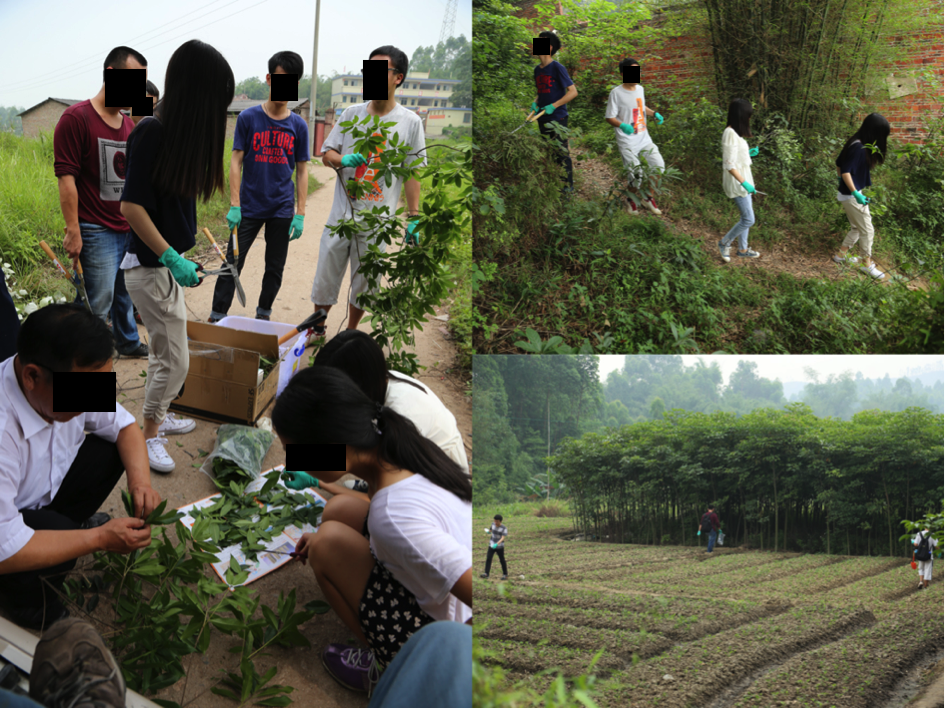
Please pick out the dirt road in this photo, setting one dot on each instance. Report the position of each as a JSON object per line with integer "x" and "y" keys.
{"x": 301, "y": 669}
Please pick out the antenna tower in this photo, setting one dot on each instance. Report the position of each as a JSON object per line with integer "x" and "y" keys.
{"x": 449, "y": 21}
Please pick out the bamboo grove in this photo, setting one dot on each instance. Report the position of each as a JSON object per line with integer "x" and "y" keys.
{"x": 781, "y": 479}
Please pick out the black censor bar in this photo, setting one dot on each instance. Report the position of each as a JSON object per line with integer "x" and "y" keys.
{"x": 84, "y": 391}
{"x": 315, "y": 457}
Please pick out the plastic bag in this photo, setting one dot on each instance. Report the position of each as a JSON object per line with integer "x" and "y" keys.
{"x": 721, "y": 540}
{"x": 240, "y": 450}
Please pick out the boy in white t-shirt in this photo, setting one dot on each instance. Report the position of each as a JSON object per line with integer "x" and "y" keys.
{"x": 924, "y": 545}
{"x": 626, "y": 112}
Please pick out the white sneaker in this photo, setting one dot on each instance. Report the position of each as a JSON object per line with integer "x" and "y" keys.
{"x": 845, "y": 259}
{"x": 633, "y": 210}
{"x": 172, "y": 424}
{"x": 872, "y": 270}
{"x": 651, "y": 205}
{"x": 160, "y": 461}
{"x": 725, "y": 251}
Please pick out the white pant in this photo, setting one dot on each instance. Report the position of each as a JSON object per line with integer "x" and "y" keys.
{"x": 925, "y": 570}
{"x": 861, "y": 226}
{"x": 631, "y": 158}
{"x": 333, "y": 253}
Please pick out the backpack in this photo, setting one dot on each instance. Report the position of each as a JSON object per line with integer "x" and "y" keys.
{"x": 923, "y": 553}
{"x": 707, "y": 522}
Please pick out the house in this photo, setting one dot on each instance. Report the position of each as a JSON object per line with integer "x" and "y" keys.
{"x": 44, "y": 115}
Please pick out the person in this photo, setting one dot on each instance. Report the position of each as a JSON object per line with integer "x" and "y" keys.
{"x": 737, "y": 181}
{"x": 627, "y": 111}
{"x": 154, "y": 95}
{"x": 334, "y": 250}
{"x": 924, "y": 545}
{"x": 498, "y": 532}
{"x": 53, "y": 478}
{"x": 173, "y": 157}
{"x": 555, "y": 91}
{"x": 863, "y": 151}
{"x": 89, "y": 145}
{"x": 9, "y": 320}
{"x": 710, "y": 527}
{"x": 400, "y": 561}
{"x": 274, "y": 142}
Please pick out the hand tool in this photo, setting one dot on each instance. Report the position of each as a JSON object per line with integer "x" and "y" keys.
{"x": 240, "y": 293}
{"x": 531, "y": 117}
{"x": 311, "y": 322}
{"x": 80, "y": 276}
{"x": 293, "y": 554}
{"x": 78, "y": 284}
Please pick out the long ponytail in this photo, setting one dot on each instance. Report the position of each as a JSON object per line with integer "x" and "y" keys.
{"x": 324, "y": 405}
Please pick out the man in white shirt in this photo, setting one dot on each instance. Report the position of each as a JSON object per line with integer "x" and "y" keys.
{"x": 54, "y": 477}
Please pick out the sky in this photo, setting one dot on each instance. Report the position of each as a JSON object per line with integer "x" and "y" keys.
{"x": 791, "y": 368}
{"x": 57, "y": 47}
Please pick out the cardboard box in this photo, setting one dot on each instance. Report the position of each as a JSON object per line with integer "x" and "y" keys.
{"x": 290, "y": 353}
{"x": 221, "y": 382}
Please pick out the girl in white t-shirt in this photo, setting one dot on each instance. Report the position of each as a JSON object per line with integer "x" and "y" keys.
{"x": 736, "y": 176}
{"x": 391, "y": 564}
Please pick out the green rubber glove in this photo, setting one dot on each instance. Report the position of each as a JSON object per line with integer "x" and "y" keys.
{"x": 412, "y": 235}
{"x": 295, "y": 228}
{"x": 535, "y": 108}
{"x": 353, "y": 160}
{"x": 753, "y": 152}
{"x": 298, "y": 480}
{"x": 659, "y": 119}
{"x": 626, "y": 128}
{"x": 549, "y": 109}
{"x": 699, "y": 533}
{"x": 750, "y": 187}
{"x": 860, "y": 197}
{"x": 233, "y": 218}
{"x": 494, "y": 546}
{"x": 183, "y": 271}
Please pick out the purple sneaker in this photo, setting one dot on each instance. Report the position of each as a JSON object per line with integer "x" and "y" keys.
{"x": 351, "y": 667}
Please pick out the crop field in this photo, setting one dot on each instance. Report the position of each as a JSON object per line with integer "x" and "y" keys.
{"x": 679, "y": 627}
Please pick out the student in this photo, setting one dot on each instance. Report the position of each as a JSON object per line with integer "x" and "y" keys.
{"x": 173, "y": 157}
{"x": 408, "y": 562}
{"x": 555, "y": 92}
{"x": 626, "y": 112}
{"x": 57, "y": 468}
{"x": 274, "y": 142}
{"x": 736, "y": 177}
{"x": 154, "y": 95}
{"x": 853, "y": 166}
{"x": 924, "y": 544}
{"x": 335, "y": 251}
{"x": 89, "y": 148}
{"x": 710, "y": 526}
{"x": 498, "y": 532}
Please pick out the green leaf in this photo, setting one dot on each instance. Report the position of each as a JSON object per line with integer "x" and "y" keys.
{"x": 223, "y": 692}
{"x": 317, "y": 607}
{"x": 281, "y": 701}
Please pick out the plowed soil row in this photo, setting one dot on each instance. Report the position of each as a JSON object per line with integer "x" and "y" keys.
{"x": 681, "y": 572}
{"x": 797, "y": 583}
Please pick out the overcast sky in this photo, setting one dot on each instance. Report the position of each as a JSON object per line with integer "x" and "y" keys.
{"x": 790, "y": 368}
{"x": 57, "y": 47}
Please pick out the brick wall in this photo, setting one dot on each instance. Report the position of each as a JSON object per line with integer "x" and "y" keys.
{"x": 43, "y": 118}
{"x": 688, "y": 58}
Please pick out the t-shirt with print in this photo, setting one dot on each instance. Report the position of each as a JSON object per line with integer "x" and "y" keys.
{"x": 628, "y": 106}
{"x": 422, "y": 534}
{"x": 175, "y": 217}
{"x": 409, "y": 131}
{"x": 93, "y": 152}
{"x": 855, "y": 159}
{"x": 552, "y": 82}
{"x": 272, "y": 148}
{"x": 498, "y": 531}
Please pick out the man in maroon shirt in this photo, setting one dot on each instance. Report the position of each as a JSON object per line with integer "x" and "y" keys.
{"x": 710, "y": 526}
{"x": 89, "y": 147}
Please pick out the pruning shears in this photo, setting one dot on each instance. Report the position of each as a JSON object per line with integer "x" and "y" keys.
{"x": 533, "y": 116}
{"x": 78, "y": 281}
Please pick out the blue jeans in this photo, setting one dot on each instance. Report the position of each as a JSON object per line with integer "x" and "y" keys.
{"x": 740, "y": 230}
{"x": 712, "y": 537}
{"x": 432, "y": 669}
{"x": 102, "y": 252}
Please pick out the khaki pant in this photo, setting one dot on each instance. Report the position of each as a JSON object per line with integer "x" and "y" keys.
{"x": 861, "y": 226}
{"x": 160, "y": 302}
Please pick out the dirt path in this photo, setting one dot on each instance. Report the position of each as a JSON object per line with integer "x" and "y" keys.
{"x": 301, "y": 669}
{"x": 934, "y": 695}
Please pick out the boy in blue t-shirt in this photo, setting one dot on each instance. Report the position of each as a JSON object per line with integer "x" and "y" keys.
{"x": 270, "y": 143}
{"x": 555, "y": 91}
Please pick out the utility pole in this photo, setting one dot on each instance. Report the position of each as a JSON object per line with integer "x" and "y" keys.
{"x": 311, "y": 101}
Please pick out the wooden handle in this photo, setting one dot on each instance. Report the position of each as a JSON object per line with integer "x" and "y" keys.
{"x": 50, "y": 254}
{"x": 215, "y": 247}
{"x": 236, "y": 245}
{"x": 311, "y": 321}
{"x": 534, "y": 117}
{"x": 78, "y": 267}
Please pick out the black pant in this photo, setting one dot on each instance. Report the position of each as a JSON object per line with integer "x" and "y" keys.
{"x": 9, "y": 321}
{"x": 563, "y": 156}
{"x": 277, "y": 248}
{"x": 91, "y": 478}
{"x": 501, "y": 552}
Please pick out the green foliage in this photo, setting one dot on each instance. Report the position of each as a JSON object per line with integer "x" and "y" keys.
{"x": 10, "y": 122}
{"x": 932, "y": 521}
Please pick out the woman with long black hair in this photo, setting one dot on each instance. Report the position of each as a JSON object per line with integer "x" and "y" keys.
{"x": 407, "y": 563}
{"x": 863, "y": 151}
{"x": 173, "y": 158}
{"x": 737, "y": 181}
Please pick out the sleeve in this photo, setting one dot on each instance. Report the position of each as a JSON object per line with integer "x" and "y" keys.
{"x": 301, "y": 142}
{"x": 729, "y": 149}
{"x": 915, "y": 542}
{"x": 14, "y": 534}
{"x": 241, "y": 133}
{"x": 563, "y": 76}
{"x": 612, "y": 108}
{"x": 418, "y": 143}
{"x": 142, "y": 150}
{"x": 67, "y": 146}
{"x": 108, "y": 424}
{"x": 335, "y": 140}
{"x": 848, "y": 158}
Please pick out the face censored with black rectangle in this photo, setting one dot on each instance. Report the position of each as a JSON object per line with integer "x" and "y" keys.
{"x": 541, "y": 45}
{"x": 375, "y": 79}
{"x": 284, "y": 87}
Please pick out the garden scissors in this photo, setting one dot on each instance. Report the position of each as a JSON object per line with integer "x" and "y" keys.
{"x": 78, "y": 281}
{"x": 531, "y": 117}
{"x": 240, "y": 293}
